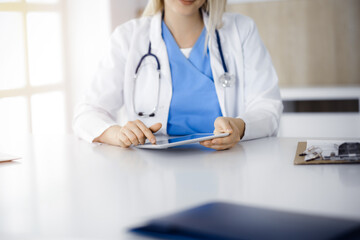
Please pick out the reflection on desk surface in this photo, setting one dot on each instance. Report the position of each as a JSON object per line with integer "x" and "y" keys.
{"x": 64, "y": 187}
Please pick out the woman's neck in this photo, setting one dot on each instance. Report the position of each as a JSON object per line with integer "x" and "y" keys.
{"x": 185, "y": 29}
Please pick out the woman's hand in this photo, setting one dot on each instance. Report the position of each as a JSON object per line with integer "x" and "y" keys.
{"x": 234, "y": 126}
{"x": 134, "y": 132}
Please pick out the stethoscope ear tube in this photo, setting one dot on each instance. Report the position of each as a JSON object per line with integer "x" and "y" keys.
{"x": 220, "y": 51}
{"x": 149, "y": 54}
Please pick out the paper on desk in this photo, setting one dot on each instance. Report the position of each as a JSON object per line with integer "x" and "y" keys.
{"x": 4, "y": 157}
{"x": 327, "y": 147}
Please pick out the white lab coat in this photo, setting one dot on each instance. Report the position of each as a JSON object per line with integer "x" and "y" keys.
{"x": 254, "y": 96}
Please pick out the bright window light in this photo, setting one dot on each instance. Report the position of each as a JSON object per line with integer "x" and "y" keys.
{"x": 42, "y": 1}
{"x": 45, "y": 58}
{"x": 12, "y": 58}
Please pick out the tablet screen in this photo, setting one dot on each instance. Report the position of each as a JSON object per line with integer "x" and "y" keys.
{"x": 176, "y": 141}
{"x": 184, "y": 138}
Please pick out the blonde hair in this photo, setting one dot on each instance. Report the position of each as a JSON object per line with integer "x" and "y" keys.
{"x": 214, "y": 8}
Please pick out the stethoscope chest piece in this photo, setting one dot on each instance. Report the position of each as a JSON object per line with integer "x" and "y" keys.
{"x": 227, "y": 80}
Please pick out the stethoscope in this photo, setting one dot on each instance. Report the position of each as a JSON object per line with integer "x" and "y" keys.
{"x": 226, "y": 79}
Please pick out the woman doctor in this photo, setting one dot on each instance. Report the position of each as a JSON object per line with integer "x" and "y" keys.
{"x": 184, "y": 67}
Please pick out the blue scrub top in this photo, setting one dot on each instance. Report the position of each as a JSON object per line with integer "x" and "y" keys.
{"x": 194, "y": 105}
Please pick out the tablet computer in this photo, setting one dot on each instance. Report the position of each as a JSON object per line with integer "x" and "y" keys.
{"x": 177, "y": 141}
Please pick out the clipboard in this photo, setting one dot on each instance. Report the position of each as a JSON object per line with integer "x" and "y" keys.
{"x": 300, "y": 160}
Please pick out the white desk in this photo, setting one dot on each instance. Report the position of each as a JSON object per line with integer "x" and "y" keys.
{"x": 64, "y": 188}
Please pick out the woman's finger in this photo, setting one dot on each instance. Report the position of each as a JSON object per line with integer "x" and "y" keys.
{"x": 123, "y": 145}
{"x": 206, "y": 142}
{"x": 146, "y": 131}
{"x": 219, "y": 147}
{"x": 124, "y": 140}
{"x": 156, "y": 127}
{"x": 130, "y": 135}
{"x": 132, "y": 126}
{"x": 222, "y": 125}
{"x": 224, "y": 140}
{"x": 219, "y": 142}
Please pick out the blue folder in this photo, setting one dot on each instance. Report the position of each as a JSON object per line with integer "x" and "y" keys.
{"x": 227, "y": 221}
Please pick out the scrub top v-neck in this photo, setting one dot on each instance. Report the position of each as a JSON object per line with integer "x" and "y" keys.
{"x": 194, "y": 105}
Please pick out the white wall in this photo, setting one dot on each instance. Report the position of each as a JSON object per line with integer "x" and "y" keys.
{"x": 87, "y": 32}
{"x": 122, "y": 10}
{"x": 89, "y": 26}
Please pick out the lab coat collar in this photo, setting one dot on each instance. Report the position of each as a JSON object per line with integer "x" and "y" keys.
{"x": 155, "y": 31}
{"x": 216, "y": 64}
